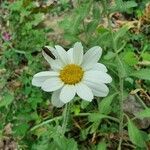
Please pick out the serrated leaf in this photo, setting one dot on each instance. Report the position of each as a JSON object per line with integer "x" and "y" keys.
{"x": 63, "y": 143}
{"x": 144, "y": 114}
{"x": 135, "y": 135}
{"x": 142, "y": 74}
{"x": 105, "y": 105}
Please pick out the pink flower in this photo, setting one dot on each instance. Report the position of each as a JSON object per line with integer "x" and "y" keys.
{"x": 6, "y": 36}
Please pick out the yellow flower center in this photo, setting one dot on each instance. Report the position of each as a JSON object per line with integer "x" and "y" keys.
{"x": 71, "y": 74}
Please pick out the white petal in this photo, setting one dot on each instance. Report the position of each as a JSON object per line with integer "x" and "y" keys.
{"x": 98, "y": 89}
{"x": 52, "y": 84}
{"x": 40, "y": 77}
{"x": 99, "y": 67}
{"x": 62, "y": 54}
{"x": 70, "y": 55}
{"x": 46, "y": 73}
{"x": 84, "y": 91}
{"x": 56, "y": 100}
{"x": 78, "y": 53}
{"x": 67, "y": 93}
{"x": 97, "y": 76}
{"x": 57, "y": 65}
{"x": 91, "y": 57}
{"x": 54, "y": 63}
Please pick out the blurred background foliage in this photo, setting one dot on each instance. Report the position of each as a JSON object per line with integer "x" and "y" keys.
{"x": 121, "y": 28}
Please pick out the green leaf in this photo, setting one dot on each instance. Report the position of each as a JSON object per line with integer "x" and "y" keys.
{"x": 21, "y": 129}
{"x": 16, "y": 6}
{"x": 123, "y": 6}
{"x": 130, "y": 58}
{"x": 135, "y": 135}
{"x": 144, "y": 114}
{"x": 103, "y": 37}
{"x": 75, "y": 25}
{"x": 65, "y": 24}
{"x": 120, "y": 33}
{"x": 94, "y": 127}
{"x": 70, "y": 37}
{"x": 142, "y": 74}
{"x": 94, "y": 117}
{"x": 6, "y": 100}
{"x": 34, "y": 100}
{"x": 149, "y": 136}
{"x": 84, "y": 104}
{"x": 102, "y": 146}
{"x": 105, "y": 105}
{"x": 37, "y": 19}
{"x": 83, "y": 10}
{"x": 124, "y": 70}
{"x": 91, "y": 27}
{"x": 96, "y": 11}
{"x": 109, "y": 55}
{"x": 63, "y": 143}
{"x": 146, "y": 56}
{"x": 71, "y": 26}
{"x": 101, "y": 30}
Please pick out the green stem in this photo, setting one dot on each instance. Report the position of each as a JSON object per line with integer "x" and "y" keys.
{"x": 15, "y": 50}
{"x": 65, "y": 118}
{"x": 104, "y": 116}
{"x": 45, "y": 122}
{"x": 121, "y": 114}
{"x": 61, "y": 117}
{"x": 121, "y": 82}
{"x": 121, "y": 48}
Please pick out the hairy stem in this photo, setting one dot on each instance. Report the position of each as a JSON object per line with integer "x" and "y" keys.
{"x": 121, "y": 74}
{"x": 65, "y": 118}
{"x": 61, "y": 117}
{"x": 121, "y": 113}
{"x": 45, "y": 122}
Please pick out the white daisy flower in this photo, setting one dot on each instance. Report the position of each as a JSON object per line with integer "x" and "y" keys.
{"x": 73, "y": 73}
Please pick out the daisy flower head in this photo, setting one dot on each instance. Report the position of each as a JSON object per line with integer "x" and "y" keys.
{"x": 73, "y": 73}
